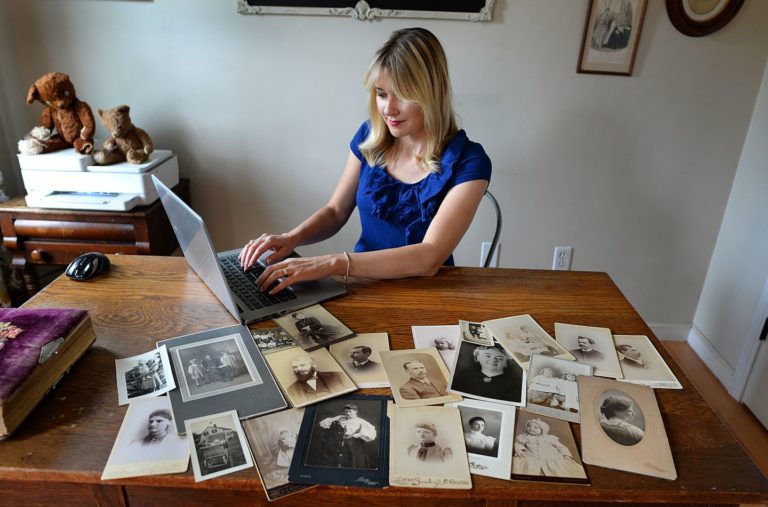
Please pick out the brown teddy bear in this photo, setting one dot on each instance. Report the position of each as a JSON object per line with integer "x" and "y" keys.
{"x": 72, "y": 118}
{"x": 126, "y": 141}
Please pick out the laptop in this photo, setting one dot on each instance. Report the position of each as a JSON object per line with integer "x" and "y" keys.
{"x": 221, "y": 272}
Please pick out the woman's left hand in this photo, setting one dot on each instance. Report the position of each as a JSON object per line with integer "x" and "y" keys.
{"x": 302, "y": 269}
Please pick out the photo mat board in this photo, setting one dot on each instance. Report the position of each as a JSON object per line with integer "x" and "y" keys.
{"x": 314, "y": 327}
{"x": 218, "y": 445}
{"x": 642, "y": 364}
{"x": 470, "y": 376}
{"x": 553, "y": 388}
{"x": 522, "y": 336}
{"x": 591, "y": 345}
{"x": 144, "y": 376}
{"x": 475, "y": 332}
{"x": 429, "y": 383}
{"x": 369, "y": 373}
{"x": 444, "y": 338}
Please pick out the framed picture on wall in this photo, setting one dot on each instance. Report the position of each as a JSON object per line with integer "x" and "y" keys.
{"x": 611, "y": 35}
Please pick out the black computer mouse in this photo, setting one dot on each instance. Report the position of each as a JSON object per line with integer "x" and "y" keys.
{"x": 87, "y": 266}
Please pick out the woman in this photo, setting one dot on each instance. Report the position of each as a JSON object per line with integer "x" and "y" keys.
{"x": 495, "y": 376}
{"x": 416, "y": 179}
{"x": 617, "y": 411}
{"x": 538, "y": 453}
{"x": 476, "y": 440}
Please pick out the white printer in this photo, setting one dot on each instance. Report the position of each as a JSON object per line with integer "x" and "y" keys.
{"x": 66, "y": 179}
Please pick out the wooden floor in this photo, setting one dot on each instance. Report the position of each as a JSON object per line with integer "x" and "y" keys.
{"x": 736, "y": 417}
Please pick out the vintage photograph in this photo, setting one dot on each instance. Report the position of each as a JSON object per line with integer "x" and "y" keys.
{"x": 218, "y": 445}
{"x": 591, "y": 345}
{"x": 147, "y": 443}
{"x": 314, "y": 327}
{"x": 309, "y": 377}
{"x": 611, "y": 35}
{"x": 487, "y": 373}
{"x": 359, "y": 356}
{"x": 214, "y": 366}
{"x": 143, "y": 376}
{"x": 544, "y": 449}
{"x": 621, "y": 428}
{"x": 427, "y": 448}
{"x": 474, "y": 332}
{"x": 272, "y": 439}
{"x": 418, "y": 377}
{"x": 553, "y": 388}
{"x": 271, "y": 339}
{"x": 642, "y": 364}
{"x": 522, "y": 337}
{"x": 444, "y": 338}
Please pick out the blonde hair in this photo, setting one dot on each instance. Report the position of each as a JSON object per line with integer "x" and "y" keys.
{"x": 416, "y": 64}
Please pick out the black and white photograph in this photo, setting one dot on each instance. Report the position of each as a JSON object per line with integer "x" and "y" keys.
{"x": 144, "y": 376}
{"x": 218, "y": 445}
{"x": 418, "y": 377}
{"x": 444, "y": 338}
{"x": 545, "y": 449}
{"x": 314, "y": 327}
{"x": 621, "y": 418}
{"x": 591, "y": 345}
{"x": 147, "y": 443}
{"x": 474, "y": 332}
{"x": 359, "y": 356}
{"x": 642, "y": 364}
{"x": 210, "y": 367}
{"x": 522, "y": 337}
{"x": 488, "y": 373}
{"x": 553, "y": 388}
{"x": 272, "y": 339}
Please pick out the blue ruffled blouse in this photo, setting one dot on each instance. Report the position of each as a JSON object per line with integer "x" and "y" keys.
{"x": 393, "y": 213}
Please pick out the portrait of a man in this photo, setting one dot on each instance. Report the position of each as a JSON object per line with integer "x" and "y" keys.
{"x": 586, "y": 352}
{"x": 631, "y": 357}
{"x": 310, "y": 384}
{"x": 427, "y": 451}
{"x": 360, "y": 359}
{"x": 421, "y": 384}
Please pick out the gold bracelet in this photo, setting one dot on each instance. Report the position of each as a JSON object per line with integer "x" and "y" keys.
{"x": 346, "y": 275}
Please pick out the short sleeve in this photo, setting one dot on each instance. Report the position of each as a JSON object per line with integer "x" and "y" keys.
{"x": 360, "y": 136}
{"x": 473, "y": 165}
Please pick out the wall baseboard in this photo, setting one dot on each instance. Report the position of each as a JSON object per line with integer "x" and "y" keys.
{"x": 724, "y": 372}
{"x": 670, "y": 332}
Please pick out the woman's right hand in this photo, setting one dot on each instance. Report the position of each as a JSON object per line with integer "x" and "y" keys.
{"x": 281, "y": 244}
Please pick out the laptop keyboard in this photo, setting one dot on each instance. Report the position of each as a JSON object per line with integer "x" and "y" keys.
{"x": 243, "y": 284}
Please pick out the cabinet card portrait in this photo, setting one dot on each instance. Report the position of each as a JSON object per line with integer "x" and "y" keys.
{"x": 309, "y": 377}
{"x": 427, "y": 448}
{"x": 418, "y": 377}
{"x": 272, "y": 439}
{"x": 522, "y": 336}
{"x": 474, "y": 332}
{"x": 545, "y": 450}
{"x": 144, "y": 376}
{"x": 642, "y": 364}
{"x": 487, "y": 373}
{"x": 359, "y": 356}
{"x": 314, "y": 327}
{"x": 621, "y": 428}
{"x": 147, "y": 443}
{"x": 488, "y": 436}
{"x": 553, "y": 388}
{"x": 591, "y": 345}
{"x": 272, "y": 339}
{"x": 218, "y": 445}
{"x": 444, "y": 338}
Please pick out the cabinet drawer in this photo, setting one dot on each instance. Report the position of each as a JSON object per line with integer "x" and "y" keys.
{"x": 66, "y": 230}
{"x": 62, "y": 252}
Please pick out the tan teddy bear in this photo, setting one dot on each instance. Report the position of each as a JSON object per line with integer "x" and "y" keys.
{"x": 126, "y": 141}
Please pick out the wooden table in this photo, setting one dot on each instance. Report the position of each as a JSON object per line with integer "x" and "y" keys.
{"x": 58, "y": 454}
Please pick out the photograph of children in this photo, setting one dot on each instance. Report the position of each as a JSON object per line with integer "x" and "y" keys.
{"x": 272, "y": 439}
{"x": 271, "y": 339}
{"x": 210, "y": 367}
{"x": 522, "y": 337}
{"x": 642, "y": 364}
{"x": 308, "y": 377}
{"x": 474, "y": 332}
{"x": 427, "y": 448}
{"x": 544, "y": 449}
{"x": 147, "y": 443}
{"x": 314, "y": 327}
{"x": 418, "y": 377}
{"x": 359, "y": 356}
{"x": 591, "y": 345}
{"x": 487, "y": 373}
{"x": 444, "y": 338}
{"x": 144, "y": 376}
{"x": 218, "y": 445}
{"x": 553, "y": 388}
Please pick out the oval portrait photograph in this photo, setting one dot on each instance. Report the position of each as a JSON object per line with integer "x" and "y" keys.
{"x": 620, "y": 417}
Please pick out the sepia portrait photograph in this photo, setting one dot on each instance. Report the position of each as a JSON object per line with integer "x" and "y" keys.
{"x": 444, "y": 338}
{"x": 522, "y": 337}
{"x": 147, "y": 443}
{"x": 218, "y": 445}
{"x": 359, "y": 356}
{"x": 642, "y": 364}
{"x": 214, "y": 366}
{"x": 427, "y": 448}
{"x": 611, "y": 36}
{"x": 590, "y": 345}
{"x": 314, "y": 327}
{"x": 553, "y": 388}
{"x": 144, "y": 376}
{"x": 272, "y": 439}
{"x": 418, "y": 377}
{"x": 545, "y": 450}
{"x": 487, "y": 373}
{"x": 474, "y": 332}
{"x": 309, "y": 377}
{"x": 272, "y": 339}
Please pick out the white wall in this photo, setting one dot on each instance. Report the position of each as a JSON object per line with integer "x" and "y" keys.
{"x": 634, "y": 172}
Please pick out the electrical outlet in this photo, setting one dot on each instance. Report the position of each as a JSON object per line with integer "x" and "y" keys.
{"x": 562, "y": 258}
{"x": 484, "y": 247}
